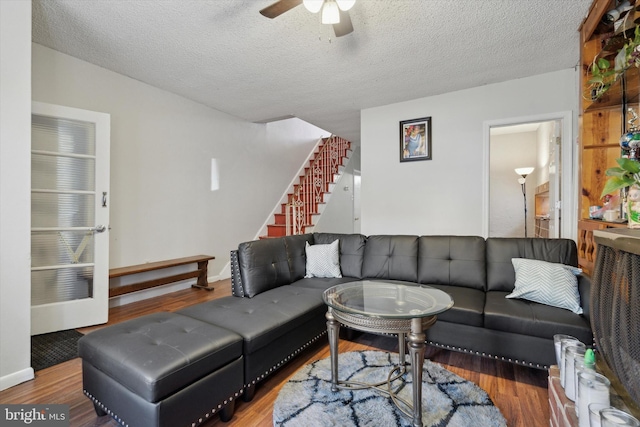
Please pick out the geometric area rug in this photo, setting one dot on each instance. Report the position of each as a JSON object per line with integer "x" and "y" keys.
{"x": 447, "y": 399}
{"x": 54, "y": 348}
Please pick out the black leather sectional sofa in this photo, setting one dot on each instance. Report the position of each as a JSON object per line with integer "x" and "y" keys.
{"x": 275, "y": 312}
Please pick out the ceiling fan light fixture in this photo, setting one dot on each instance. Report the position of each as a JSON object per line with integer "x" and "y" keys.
{"x": 313, "y": 6}
{"x": 330, "y": 13}
{"x": 345, "y": 4}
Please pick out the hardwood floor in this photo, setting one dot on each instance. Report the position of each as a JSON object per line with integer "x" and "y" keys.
{"x": 519, "y": 392}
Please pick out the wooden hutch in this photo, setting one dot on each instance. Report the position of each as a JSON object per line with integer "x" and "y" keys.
{"x": 603, "y": 121}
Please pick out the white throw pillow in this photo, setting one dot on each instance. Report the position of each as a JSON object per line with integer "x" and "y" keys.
{"x": 547, "y": 283}
{"x": 323, "y": 260}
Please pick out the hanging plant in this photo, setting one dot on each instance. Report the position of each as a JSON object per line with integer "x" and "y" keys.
{"x": 603, "y": 75}
{"x": 629, "y": 55}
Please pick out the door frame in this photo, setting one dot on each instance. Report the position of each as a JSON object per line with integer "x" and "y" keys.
{"x": 568, "y": 162}
{"x": 94, "y": 310}
{"x": 357, "y": 213}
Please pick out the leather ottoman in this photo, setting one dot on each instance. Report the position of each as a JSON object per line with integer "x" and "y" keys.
{"x": 272, "y": 324}
{"x": 163, "y": 369}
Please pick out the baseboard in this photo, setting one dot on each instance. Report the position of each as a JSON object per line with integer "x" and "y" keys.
{"x": 225, "y": 273}
{"x": 149, "y": 293}
{"x": 16, "y": 378}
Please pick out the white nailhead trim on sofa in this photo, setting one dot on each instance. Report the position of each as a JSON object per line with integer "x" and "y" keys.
{"x": 464, "y": 350}
{"x": 236, "y": 280}
{"x": 193, "y": 424}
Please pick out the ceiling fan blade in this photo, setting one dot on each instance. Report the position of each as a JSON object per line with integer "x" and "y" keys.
{"x": 343, "y": 27}
{"x": 279, "y": 7}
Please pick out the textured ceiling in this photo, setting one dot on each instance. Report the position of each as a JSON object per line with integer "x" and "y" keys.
{"x": 224, "y": 54}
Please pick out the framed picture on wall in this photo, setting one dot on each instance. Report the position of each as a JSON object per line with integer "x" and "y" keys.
{"x": 415, "y": 139}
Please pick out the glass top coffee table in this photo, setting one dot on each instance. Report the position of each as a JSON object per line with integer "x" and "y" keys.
{"x": 386, "y": 307}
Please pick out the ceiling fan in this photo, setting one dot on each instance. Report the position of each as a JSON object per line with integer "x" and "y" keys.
{"x": 333, "y": 12}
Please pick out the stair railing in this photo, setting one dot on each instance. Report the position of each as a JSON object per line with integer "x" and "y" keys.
{"x": 304, "y": 200}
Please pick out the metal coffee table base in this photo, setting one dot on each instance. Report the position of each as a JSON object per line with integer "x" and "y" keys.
{"x": 412, "y": 328}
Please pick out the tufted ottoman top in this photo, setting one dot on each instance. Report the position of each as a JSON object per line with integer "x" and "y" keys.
{"x": 156, "y": 355}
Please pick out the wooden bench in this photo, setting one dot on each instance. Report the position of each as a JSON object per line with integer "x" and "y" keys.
{"x": 200, "y": 273}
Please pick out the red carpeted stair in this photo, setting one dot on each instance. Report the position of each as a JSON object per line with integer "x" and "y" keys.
{"x": 308, "y": 194}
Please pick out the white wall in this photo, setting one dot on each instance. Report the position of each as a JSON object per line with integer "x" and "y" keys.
{"x": 543, "y": 137}
{"x": 550, "y": 166}
{"x": 15, "y": 184}
{"x": 338, "y": 213}
{"x": 162, "y": 145}
{"x": 506, "y": 209}
{"x": 161, "y": 151}
{"x": 445, "y": 195}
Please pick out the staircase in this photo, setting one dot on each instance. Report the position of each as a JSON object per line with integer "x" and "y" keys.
{"x": 303, "y": 202}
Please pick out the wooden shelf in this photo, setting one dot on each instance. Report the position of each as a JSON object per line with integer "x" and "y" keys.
{"x": 604, "y": 120}
{"x": 542, "y": 210}
{"x": 542, "y": 227}
{"x": 613, "y": 98}
{"x": 542, "y": 200}
{"x": 614, "y": 39}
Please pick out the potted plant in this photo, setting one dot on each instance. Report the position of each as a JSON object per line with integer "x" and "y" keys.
{"x": 627, "y": 174}
{"x": 603, "y": 74}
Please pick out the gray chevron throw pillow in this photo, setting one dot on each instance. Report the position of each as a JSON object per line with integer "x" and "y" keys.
{"x": 323, "y": 260}
{"x": 547, "y": 283}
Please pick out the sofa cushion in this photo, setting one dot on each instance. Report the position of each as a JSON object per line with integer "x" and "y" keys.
{"x": 158, "y": 354}
{"x": 531, "y": 318}
{"x": 351, "y": 251}
{"x": 391, "y": 257}
{"x": 263, "y": 318}
{"x": 468, "y": 305}
{"x": 525, "y": 350}
{"x": 501, "y": 275}
{"x": 263, "y": 265}
{"x": 323, "y": 260}
{"x": 547, "y": 283}
{"x": 321, "y": 283}
{"x": 296, "y": 254}
{"x": 452, "y": 260}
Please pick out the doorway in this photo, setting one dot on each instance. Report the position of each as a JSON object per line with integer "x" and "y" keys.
{"x": 357, "y": 181}
{"x": 538, "y": 202}
{"x": 69, "y": 218}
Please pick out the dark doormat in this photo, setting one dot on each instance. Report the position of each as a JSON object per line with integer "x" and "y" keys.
{"x": 53, "y": 348}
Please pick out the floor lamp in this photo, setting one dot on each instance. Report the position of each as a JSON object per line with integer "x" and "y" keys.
{"x": 523, "y": 172}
